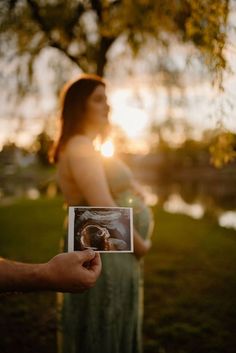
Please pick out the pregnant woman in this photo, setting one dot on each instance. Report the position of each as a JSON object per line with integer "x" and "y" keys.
{"x": 108, "y": 317}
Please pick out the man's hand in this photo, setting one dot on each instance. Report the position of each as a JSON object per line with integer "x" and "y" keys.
{"x": 72, "y": 272}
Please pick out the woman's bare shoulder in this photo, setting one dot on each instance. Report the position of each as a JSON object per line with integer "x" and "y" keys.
{"x": 79, "y": 140}
{"x": 79, "y": 145}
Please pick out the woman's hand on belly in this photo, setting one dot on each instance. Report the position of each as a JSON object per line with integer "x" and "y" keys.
{"x": 141, "y": 246}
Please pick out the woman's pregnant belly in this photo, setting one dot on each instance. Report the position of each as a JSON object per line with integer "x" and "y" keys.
{"x": 142, "y": 215}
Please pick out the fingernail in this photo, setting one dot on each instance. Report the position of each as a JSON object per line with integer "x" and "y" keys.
{"x": 91, "y": 252}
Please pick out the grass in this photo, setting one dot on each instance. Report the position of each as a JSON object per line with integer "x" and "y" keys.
{"x": 30, "y": 231}
{"x": 190, "y": 287}
{"x": 190, "y": 283}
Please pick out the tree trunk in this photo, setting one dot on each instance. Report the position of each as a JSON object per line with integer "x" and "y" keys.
{"x": 102, "y": 52}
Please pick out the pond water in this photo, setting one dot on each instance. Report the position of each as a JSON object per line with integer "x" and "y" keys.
{"x": 193, "y": 199}
{"x": 228, "y": 219}
{"x": 172, "y": 200}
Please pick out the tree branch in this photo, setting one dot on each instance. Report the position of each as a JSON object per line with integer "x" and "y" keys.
{"x": 103, "y": 49}
{"x": 37, "y": 17}
{"x": 97, "y": 7}
{"x": 70, "y": 25}
{"x": 47, "y": 30}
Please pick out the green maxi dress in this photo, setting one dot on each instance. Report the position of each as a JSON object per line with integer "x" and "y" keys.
{"x": 108, "y": 317}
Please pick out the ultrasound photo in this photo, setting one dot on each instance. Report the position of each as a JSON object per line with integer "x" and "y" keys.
{"x": 103, "y": 229}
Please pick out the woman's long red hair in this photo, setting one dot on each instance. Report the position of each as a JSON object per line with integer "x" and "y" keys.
{"x": 73, "y": 104}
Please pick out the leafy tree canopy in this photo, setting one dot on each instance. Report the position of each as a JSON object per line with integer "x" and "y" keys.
{"x": 84, "y": 31}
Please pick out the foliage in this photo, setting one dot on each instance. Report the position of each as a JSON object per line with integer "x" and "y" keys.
{"x": 223, "y": 149}
{"x": 217, "y": 147}
{"x": 84, "y": 31}
{"x": 42, "y": 145}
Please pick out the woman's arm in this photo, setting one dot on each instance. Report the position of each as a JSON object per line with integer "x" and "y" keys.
{"x": 89, "y": 175}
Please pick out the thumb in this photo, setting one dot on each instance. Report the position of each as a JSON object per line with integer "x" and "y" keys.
{"x": 86, "y": 255}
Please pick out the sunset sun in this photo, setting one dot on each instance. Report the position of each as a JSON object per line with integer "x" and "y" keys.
{"x": 107, "y": 149}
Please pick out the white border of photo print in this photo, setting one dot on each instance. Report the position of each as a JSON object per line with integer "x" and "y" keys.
{"x": 103, "y": 229}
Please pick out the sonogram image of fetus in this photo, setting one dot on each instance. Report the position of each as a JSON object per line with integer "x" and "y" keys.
{"x": 95, "y": 237}
{"x": 98, "y": 238}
